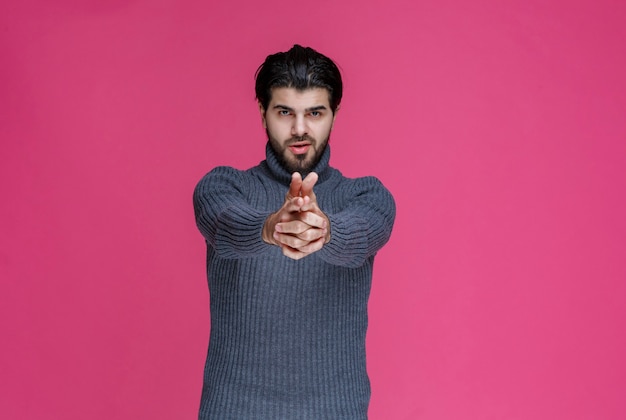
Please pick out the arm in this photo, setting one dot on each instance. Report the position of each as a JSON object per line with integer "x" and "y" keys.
{"x": 226, "y": 220}
{"x": 360, "y": 229}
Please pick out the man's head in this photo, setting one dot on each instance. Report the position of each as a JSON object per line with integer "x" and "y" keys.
{"x": 299, "y": 92}
{"x": 300, "y": 68}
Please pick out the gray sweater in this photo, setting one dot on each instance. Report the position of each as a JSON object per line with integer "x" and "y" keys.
{"x": 287, "y": 338}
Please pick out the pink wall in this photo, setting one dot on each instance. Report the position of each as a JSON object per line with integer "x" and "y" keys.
{"x": 501, "y": 130}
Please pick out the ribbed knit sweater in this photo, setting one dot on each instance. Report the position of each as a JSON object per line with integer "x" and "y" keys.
{"x": 287, "y": 337}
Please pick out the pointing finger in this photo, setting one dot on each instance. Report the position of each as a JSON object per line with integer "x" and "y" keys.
{"x": 308, "y": 183}
{"x": 296, "y": 184}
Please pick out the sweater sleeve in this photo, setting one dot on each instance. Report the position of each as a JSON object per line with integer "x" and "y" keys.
{"x": 362, "y": 227}
{"x": 224, "y": 217}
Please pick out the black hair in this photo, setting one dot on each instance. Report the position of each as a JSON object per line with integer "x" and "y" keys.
{"x": 300, "y": 68}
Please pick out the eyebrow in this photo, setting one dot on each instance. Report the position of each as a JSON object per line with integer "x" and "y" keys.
{"x": 313, "y": 108}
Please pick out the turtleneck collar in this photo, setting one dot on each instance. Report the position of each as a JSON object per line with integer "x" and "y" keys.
{"x": 322, "y": 168}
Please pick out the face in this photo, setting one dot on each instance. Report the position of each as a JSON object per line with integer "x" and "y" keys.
{"x": 298, "y": 125}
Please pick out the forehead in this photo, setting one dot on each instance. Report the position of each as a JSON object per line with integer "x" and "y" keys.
{"x": 296, "y": 99}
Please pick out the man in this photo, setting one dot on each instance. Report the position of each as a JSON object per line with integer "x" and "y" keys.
{"x": 290, "y": 249}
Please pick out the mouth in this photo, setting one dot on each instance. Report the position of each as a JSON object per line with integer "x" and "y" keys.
{"x": 300, "y": 148}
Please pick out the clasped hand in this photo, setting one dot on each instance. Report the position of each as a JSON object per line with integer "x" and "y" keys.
{"x": 299, "y": 227}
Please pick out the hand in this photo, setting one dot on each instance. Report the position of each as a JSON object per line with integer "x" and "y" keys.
{"x": 310, "y": 205}
{"x": 299, "y": 227}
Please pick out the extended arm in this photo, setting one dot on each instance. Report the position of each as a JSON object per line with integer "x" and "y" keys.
{"x": 225, "y": 218}
{"x": 363, "y": 226}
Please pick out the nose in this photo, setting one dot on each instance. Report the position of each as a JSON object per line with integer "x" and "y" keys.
{"x": 299, "y": 127}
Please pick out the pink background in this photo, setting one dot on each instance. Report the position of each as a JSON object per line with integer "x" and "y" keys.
{"x": 500, "y": 127}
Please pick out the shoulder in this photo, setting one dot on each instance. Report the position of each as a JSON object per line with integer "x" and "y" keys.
{"x": 222, "y": 171}
{"x": 220, "y": 178}
{"x": 368, "y": 190}
{"x": 363, "y": 184}
{"x": 221, "y": 174}
{"x": 372, "y": 188}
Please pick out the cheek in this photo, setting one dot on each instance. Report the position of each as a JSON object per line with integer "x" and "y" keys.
{"x": 271, "y": 123}
{"x": 325, "y": 130}
{"x": 276, "y": 129}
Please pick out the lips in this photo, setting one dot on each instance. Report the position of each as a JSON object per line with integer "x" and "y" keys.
{"x": 300, "y": 148}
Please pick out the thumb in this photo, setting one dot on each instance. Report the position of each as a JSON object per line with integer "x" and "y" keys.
{"x": 308, "y": 183}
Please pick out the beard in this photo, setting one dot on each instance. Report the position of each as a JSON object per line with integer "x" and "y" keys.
{"x": 303, "y": 163}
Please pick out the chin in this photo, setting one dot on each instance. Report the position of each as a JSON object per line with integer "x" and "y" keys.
{"x": 303, "y": 167}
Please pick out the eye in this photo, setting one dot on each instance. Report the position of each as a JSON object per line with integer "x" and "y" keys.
{"x": 283, "y": 112}
{"x": 315, "y": 114}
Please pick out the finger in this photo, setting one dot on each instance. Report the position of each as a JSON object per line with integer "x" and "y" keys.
{"x": 294, "y": 254}
{"x": 310, "y": 204}
{"x": 312, "y": 246}
{"x": 311, "y": 218}
{"x": 296, "y": 185}
{"x": 308, "y": 249}
{"x": 301, "y": 231}
{"x": 292, "y": 206}
{"x": 308, "y": 183}
{"x": 289, "y": 240}
{"x": 313, "y": 234}
{"x": 293, "y": 227}
{"x": 309, "y": 241}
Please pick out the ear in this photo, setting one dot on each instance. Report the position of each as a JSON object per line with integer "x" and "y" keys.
{"x": 262, "y": 111}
